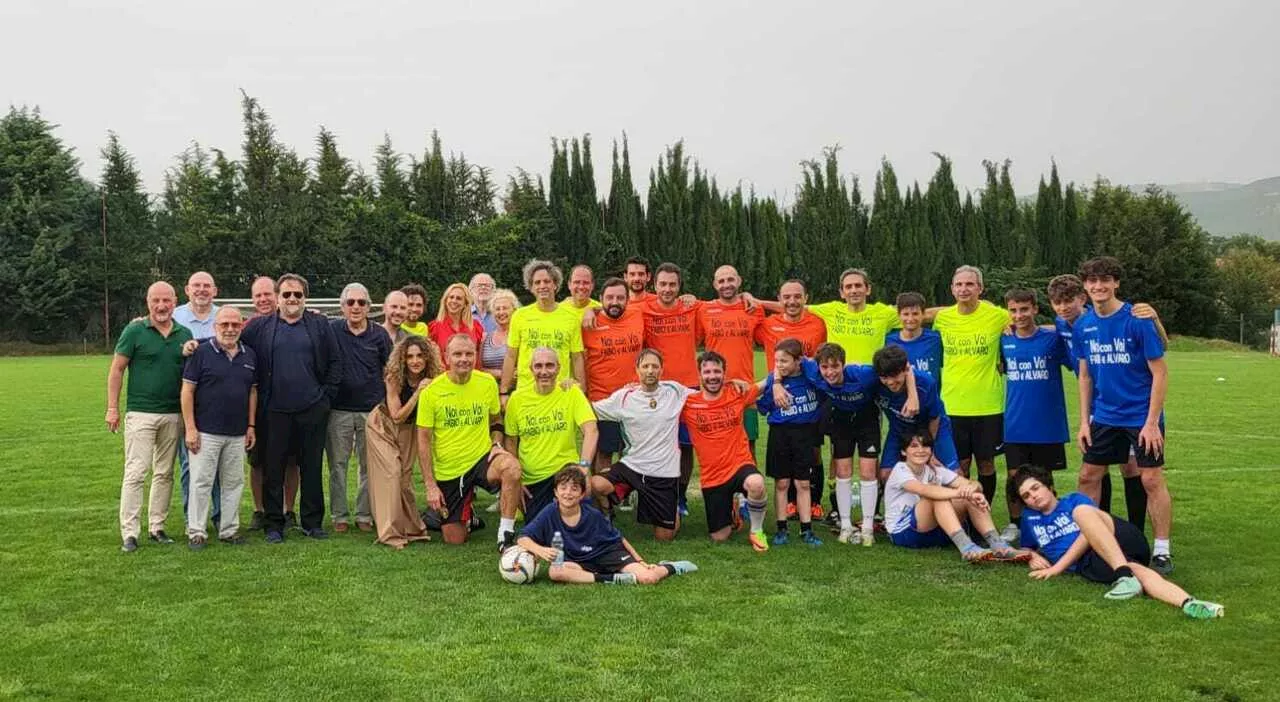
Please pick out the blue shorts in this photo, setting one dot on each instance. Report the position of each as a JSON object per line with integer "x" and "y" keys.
{"x": 913, "y": 538}
{"x": 944, "y": 448}
{"x": 684, "y": 439}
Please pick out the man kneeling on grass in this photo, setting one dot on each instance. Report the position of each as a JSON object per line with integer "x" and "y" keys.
{"x": 593, "y": 551}
{"x": 1111, "y": 551}
{"x": 926, "y": 506}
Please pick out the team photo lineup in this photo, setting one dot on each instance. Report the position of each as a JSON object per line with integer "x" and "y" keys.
{"x": 588, "y": 402}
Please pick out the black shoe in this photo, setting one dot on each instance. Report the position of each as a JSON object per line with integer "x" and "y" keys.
{"x": 196, "y": 543}
{"x": 130, "y": 545}
{"x": 290, "y": 520}
{"x": 1162, "y": 564}
{"x": 275, "y": 537}
{"x": 237, "y": 540}
{"x": 159, "y": 537}
{"x": 508, "y": 540}
{"x": 476, "y": 523}
{"x": 316, "y": 533}
{"x": 258, "y": 521}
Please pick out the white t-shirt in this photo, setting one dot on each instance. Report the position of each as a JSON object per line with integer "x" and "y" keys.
{"x": 898, "y": 503}
{"x": 650, "y": 426}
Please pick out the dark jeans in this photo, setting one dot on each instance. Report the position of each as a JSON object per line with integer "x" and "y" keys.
{"x": 300, "y": 434}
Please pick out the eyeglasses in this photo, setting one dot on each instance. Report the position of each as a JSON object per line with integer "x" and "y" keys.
{"x": 354, "y": 303}
{"x": 229, "y": 325}
{"x": 292, "y": 294}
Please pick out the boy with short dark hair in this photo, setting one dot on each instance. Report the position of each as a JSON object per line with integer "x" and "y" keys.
{"x": 924, "y": 346}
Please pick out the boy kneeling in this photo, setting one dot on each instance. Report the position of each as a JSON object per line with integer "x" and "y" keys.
{"x": 594, "y": 551}
{"x": 926, "y": 506}
{"x": 1071, "y": 534}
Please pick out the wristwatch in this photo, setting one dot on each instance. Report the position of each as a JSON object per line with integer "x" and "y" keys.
{"x": 584, "y": 463}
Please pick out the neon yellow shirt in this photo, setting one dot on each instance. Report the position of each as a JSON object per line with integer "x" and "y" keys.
{"x": 592, "y": 304}
{"x": 559, "y": 330}
{"x": 459, "y": 418}
{"x": 860, "y": 334}
{"x": 971, "y": 348}
{"x": 417, "y": 328}
{"x": 547, "y": 426}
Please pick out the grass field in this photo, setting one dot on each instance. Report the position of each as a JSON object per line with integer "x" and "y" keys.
{"x": 345, "y": 619}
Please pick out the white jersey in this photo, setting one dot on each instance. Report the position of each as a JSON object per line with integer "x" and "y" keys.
{"x": 650, "y": 426}
{"x": 898, "y": 503}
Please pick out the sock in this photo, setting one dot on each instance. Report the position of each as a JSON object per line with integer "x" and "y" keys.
{"x": 806, "y": 527}
{"x": 988, "y": 483}
{"x": 504, "y": 525}
{"x": 1160, "y": 547}
{"x": 604, "y": 577}
{"x": 1185, "y": 602}
{"x": 1124, "y": 571}
{"x": 1135, "y": 500}
{"x": 869, "y": 489}
{"x": 1104, "y": 495}
{"x": 844, "y": 501}
{"x": 994, "y": 540}
{"x": 756, "y": 511}
{"x": 782, "y": 526}
{"x": 961, "y": 540}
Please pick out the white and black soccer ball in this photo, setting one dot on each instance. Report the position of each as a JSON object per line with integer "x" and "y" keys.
{"x": 518, "y": 566}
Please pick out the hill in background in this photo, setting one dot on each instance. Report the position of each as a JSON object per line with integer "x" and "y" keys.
{"x": 1224, "y": 209}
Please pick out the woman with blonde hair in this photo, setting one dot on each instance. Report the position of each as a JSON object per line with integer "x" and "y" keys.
{"x": 454, "y": 317}
{"x": 493, "y": 349}
{"x": 391, "y": 442}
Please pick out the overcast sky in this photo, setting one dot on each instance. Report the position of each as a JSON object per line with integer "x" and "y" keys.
{"x": 1138, "y": 92}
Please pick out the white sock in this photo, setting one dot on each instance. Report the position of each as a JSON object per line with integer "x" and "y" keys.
{"x": 844, "y": 501}
{"x": 1161, "y": 547}
{"x": 506, "y": 524}
{"x": 756, "y": 511}
{"x": 870, "y": 490}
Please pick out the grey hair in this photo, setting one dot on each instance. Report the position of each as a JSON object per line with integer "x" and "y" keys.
{"x": 353, "y": 287}
{"x": 977, "y": 272}
{"x": 539, "y": 264}
{"x": 548, "y": 350}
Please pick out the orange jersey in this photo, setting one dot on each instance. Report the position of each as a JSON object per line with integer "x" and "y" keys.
{"x": 674, "y": 333}
{"x": 719, "y": 439}
{"x": 730, "y": 330}
{"x": 810, "y": 331}
{"x": 611, "y": 349}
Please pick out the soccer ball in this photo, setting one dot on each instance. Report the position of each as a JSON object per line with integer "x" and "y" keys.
{"x": 518, "y": 566}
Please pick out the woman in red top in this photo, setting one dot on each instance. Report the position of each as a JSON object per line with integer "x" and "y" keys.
{"x": 454, "y": 317}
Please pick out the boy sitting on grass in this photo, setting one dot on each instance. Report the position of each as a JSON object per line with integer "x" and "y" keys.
{"x": 1111, "y": 551}
{"x": 926, "y": 506}
{"x": 594, "y": 551}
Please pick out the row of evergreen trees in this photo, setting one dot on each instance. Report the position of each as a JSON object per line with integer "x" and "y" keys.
{"x": 437, "y": 218}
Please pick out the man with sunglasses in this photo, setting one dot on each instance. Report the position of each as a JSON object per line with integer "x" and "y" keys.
{"x": 365, "y": 350}
{"x": 299, "y": 373}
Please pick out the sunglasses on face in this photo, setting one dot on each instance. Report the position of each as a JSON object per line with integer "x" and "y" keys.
{"x": 291, "y": 295}
{"x": 357, "y": 303}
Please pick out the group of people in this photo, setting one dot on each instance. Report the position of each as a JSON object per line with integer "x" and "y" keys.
{"x": 565, "y": 407}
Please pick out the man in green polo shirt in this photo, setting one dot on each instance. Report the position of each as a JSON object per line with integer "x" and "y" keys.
{"x": 151, "y": 350}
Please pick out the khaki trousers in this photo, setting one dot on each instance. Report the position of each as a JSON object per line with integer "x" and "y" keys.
{"x": 150, "y": 443}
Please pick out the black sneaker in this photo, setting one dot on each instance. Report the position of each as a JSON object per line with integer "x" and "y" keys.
{"x": 1162, "y": 564}
{"x": 196, "y": 543}
{"x": 290, "y": 520}
{"x": 316, "y": 533}
{"x": 159, "y": 537}
{"x": 130, "y": 545}
{"x": 508, "y": 540}
{"x": 275, "y": 537}
{"x": 476, "y": 523}
{"x": 258, "y": 521}
{"x": 237, "y": 540}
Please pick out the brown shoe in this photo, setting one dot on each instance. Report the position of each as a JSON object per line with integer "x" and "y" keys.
{"x": 365, "y": 526}
{"x": 340, "y": 527}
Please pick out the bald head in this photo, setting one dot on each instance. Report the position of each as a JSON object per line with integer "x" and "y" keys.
{"x": 395, "y": 307}
{"x": 545, "y": 365}
{"x": 200, "y": 291}
{"x": 728, "y": 283}
{"x": 264, "y": 296}
{"x": 161, "y": 298}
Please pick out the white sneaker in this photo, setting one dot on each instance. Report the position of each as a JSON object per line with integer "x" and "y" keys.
{"x": 848, "y": 535}
{"x": 867, "y": 538}
{"x": 1011, "y": 534}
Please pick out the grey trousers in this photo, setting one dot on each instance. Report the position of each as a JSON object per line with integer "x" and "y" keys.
{"x": 345, "y": 434}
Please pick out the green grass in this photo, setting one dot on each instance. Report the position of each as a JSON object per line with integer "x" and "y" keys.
{"x": 346, "y": 619}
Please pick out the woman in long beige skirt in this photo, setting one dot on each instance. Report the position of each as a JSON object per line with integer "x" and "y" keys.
{"x": 392, "y": 444}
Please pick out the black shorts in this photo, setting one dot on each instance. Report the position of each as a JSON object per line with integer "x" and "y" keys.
{"x": 459, "y": 491}
{"x": 541, "y": 494}
{"x": 860, "y": 431}
{"x": 610, "y": 559}
{"x": 1111, "y": 447}
{"x": 1051, "y": 456}
{"x": 718, "y": 500}
{"x": 1132, "y": 543}
{"x": 659, "y": 497}
{"x": 610, "y": 441}
{"x": 978, "y": 437}
{"x": 790, "y": 451}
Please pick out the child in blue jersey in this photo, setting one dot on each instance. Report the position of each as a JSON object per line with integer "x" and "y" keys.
{"x": 594, "y": 551}
{"x": 793, "y": 432}
{"x": 926, "y": 506}
{"x": 1123, "y": 380}
{"x": 924, "y": 346}
{"x": 891, "y": 368}
{"x": 1071, "y": 535}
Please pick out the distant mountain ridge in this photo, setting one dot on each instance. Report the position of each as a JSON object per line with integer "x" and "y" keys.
{"x": 1224, "y": 209}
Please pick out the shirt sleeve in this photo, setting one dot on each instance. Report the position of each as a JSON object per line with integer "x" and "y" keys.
{"x": 946, "y": 476}
{"x": 539, "y": 528}
{"x": 749, "y": 397}
{"x": 898, "y": 478}
{"x": 888, "y": 317}
{"x": 764, "y": 404}
{"x": 491, "y": 388}
{"x": 191, "y": 368}
{"x": 997, "y": 318}
{"x": 607, "y": 409}
{"x": 426, "y": 413}
{"x": 128, "y": 340}
{"x": 581, "y": 408}
{"x": 1026, "y": 538}
{"x": 575, "y": 339}
{"x": 1062, "y": 353}
{"x": 1152, "y": 347}
{"x": 515, "y": 330}
{"x": 511, "y": 420}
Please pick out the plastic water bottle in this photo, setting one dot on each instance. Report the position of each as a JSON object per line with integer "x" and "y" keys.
{"x": 557, "y": 542}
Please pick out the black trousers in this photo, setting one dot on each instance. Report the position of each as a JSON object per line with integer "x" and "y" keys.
{"x": 300, "y": 434}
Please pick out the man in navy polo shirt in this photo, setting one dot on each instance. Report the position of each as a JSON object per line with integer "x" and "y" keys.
{"x": 365, "y": 349}
{"x": 219, "y": 401}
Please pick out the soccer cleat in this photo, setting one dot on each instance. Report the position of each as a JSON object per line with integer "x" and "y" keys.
{"x": 976, "y": 554}
{"x": 1162, "y": 564}
{"x": 791, "y": 511}
{"x": 1199, "y": 609}
{"x": 196, "y": 543}
{"x": 684, "y": 506}
{"x": 316, "y": 533}
{"x": 816, "y": 513}
{"x": 257, "y": 522}
{"x": 781, "y": 538}
{"x": 622, "y": 579}
{"x": 809, "y": 538}
{"x": 832, "y": 519}
{"x": 130, "y": 545}
{"x": 275, "y": 537}
{"x": 1124, "y": 588}
{"x": 877, "y": 525}
{"x": 159, "y": 537}
{"x": 1011, "y": 534}
{"x": 1009, "y": 554}
{"x": 758, "y": 541}
{"x": 867, "y": 538}
{"x": 508, "y": 540}
{"x": 848, "y": 535}
{"x": 680, "y": 567}
{"x": 628, "y": 503}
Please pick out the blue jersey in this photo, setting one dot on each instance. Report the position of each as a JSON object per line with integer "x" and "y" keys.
{"x": 1035, "y": 410}
{"x": 1053, "y": 533}
{"x": 804, "y": 401}
{"x": 931, "y": 407}
{"x": 1063, "y": 327}
{"x": 924, "y": 352}
{"x": 1116, "y": 349}
{"x": 857, "y": 389}
{"x": 583, "y": 541}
